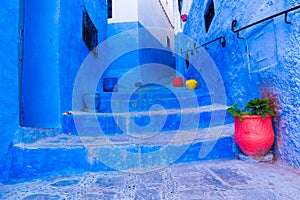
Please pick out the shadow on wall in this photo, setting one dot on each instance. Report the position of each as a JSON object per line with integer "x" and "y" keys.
{"x": 267, "y": 93}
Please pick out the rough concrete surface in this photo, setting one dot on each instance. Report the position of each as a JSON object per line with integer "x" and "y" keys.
{"x": 197, "y": 180}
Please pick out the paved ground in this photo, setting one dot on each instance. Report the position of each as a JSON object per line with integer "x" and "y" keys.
{"x": 199, "y": 180}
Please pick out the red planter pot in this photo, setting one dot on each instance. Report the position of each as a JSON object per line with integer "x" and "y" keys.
{"x": 254, "y": 135}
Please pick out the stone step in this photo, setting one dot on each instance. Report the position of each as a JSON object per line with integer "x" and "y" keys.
{"x": 140, "y": 103}
{"x": 146, "y": 121}
{"x": 141, "y": 99}
{"x": 136, "y": 153}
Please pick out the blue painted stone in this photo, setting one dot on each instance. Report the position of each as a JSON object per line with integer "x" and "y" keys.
{"x": 268, "y": 67}
{"x": 140, "y": 102}
{"x": 65, "y": 183}
{"x": 143, "y": 98}
{"x": 42, "y": 197}
{"x": 222, "y": 150}
{"x": 277, "y": 74}
{"x": 9, "y": 73}
{"x": 113, "y": 125}
{"x": 68, "y": 154}
{"x": 110, "y": 181}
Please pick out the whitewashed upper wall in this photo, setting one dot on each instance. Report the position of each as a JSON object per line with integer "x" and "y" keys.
{"x": 149, "y": 13}
{"x": 158, "y": 13}
{"x": 124, "y": 11}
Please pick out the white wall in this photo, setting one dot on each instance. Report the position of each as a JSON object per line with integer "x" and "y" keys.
{"x": 151, "y": 14}
{"x": 176, "y": 17}
{"x": 185, "y": 9}
{"x": 186, "y": 6}
{"x": 124, "y": 11}
{"x": 168, "y": 6}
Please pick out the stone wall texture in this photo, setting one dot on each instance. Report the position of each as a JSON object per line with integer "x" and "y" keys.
{"x": 72, "y": 49}
{"x": 53, "y": 53}
{"x": 264, "y": 64}
{"x": 9, "y": 87}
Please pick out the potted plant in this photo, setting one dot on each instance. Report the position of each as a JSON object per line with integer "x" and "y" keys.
{"x": 253, "y": 130}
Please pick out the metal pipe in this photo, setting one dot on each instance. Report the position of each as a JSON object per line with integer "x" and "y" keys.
{"x": 234, "y": 22}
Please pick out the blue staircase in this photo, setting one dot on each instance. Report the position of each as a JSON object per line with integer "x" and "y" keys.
{"x": 135, "y": 137}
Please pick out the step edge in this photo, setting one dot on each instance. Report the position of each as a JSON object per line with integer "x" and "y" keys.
{"x": 208, "y": 108}
{"x": 75, "y": 141}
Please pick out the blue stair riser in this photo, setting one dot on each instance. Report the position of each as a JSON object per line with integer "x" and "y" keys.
{"x": 40, "y": 162}
{"x": 110, "y": 125}
{"x": 153, "y": 92}
{"x": 144, "y": 104}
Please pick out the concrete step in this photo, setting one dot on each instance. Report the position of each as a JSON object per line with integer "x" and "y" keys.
{"x": 155, "y": 120}
{"x": 136, "y": 153}
{"x": 141, "y": 99}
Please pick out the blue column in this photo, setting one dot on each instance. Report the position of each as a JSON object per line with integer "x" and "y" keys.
{"x": 40, "y": 92}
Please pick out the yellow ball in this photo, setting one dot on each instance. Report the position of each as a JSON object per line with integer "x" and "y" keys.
{"x": 191, "y": 84}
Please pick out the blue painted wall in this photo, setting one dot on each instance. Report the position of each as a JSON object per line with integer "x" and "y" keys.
{"x": 116, "y": 28}
{"x": 121, "y": 35}
{"x": 136, "y": 36}
{"x": 40, "y": 81}
{"x": 53, "y": 53}
{"x": 271, "y": 70}
{"x": 9, "y": 87}
{"x": 72, "y": 49}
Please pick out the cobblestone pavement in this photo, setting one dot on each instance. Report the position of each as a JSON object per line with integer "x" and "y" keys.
{"x": 207, "y": 180}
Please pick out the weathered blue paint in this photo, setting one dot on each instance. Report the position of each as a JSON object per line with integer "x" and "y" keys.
{"x": 40, "y": 81}
{"x": 53, "y": 53}
{"x": 271, "y": 70}
{"x": 9, "y": 74}
{"x": 181, "y": 112}
{"x": 110, "y": 124}
{"x": 72, "y": 49}
{"x": 116, "y": 28}
{"x": 136, "y": 36}
{"x": 126, "y": 62}
{"x": 44, "y": 161}
{"x": 152, "y": 95}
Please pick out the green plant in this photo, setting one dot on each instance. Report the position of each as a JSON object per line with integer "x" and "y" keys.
{"x": 253, "y": 107}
